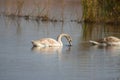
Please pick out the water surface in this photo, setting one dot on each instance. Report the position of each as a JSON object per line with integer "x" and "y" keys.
{"x": 19, "y": 61}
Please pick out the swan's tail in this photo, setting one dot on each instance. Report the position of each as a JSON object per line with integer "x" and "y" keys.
{"x": 34, "y": 43}
{"x": 38, "y": 44}
{"x": 93, "y": 42}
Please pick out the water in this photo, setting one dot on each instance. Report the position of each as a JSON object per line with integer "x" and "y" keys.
{"x": 19, "y": 61}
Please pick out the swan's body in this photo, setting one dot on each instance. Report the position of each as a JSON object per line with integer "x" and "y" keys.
{"x": 97, "y": 43}
{"x": 49, "y": 42}
{"x": 107, "y": 41}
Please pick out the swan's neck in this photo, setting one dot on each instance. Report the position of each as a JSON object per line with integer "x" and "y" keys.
{"x": 59, "y": 39}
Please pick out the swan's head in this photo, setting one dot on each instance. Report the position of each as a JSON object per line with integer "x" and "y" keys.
{"x": 69, "y": 39}
{"x": 67, "y": 36}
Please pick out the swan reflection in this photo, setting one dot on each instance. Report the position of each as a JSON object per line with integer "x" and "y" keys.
{"x": 47, "y": 50}
{"x": 113, "y": 50}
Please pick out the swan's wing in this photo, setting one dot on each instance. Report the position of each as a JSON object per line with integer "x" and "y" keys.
{"x": 93, "y": 42}
{"x": 48, "y": 42}
{"x": 112, "y": 39}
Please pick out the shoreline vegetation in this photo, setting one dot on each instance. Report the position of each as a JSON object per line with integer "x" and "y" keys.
{"x": 94, "y": 11}
{"x": 40, "y": 16}
{"x": 40, "y": 12}
{"x": 30, "y": 17}
{"x": 101, "y": 11}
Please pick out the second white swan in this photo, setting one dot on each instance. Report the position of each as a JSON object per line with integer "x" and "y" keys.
{"x": 107, "y": 41}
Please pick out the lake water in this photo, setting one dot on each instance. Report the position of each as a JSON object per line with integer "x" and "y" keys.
{"x": 19, "y": 61}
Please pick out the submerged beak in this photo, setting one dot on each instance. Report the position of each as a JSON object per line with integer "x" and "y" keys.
{"x": 70, "y": 43}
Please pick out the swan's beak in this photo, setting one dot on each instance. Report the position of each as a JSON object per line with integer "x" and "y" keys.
{"x": 70, "y": 43}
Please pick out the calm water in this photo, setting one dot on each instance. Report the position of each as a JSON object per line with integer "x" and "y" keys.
{"x": 19, "y": 61}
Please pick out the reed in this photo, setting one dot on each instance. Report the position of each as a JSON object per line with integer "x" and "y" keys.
{"x": 19, "y": 5}
{"x": 62, "y": 12}
{"x": 39, "y": 8}
{"x": 39, "y": 12}
{"x": 92, "y": 31}
{"x": 105, "y": 11}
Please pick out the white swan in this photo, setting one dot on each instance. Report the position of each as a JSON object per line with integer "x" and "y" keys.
{"x": 107, "y": 41}
{"x": 49, "y": 42}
